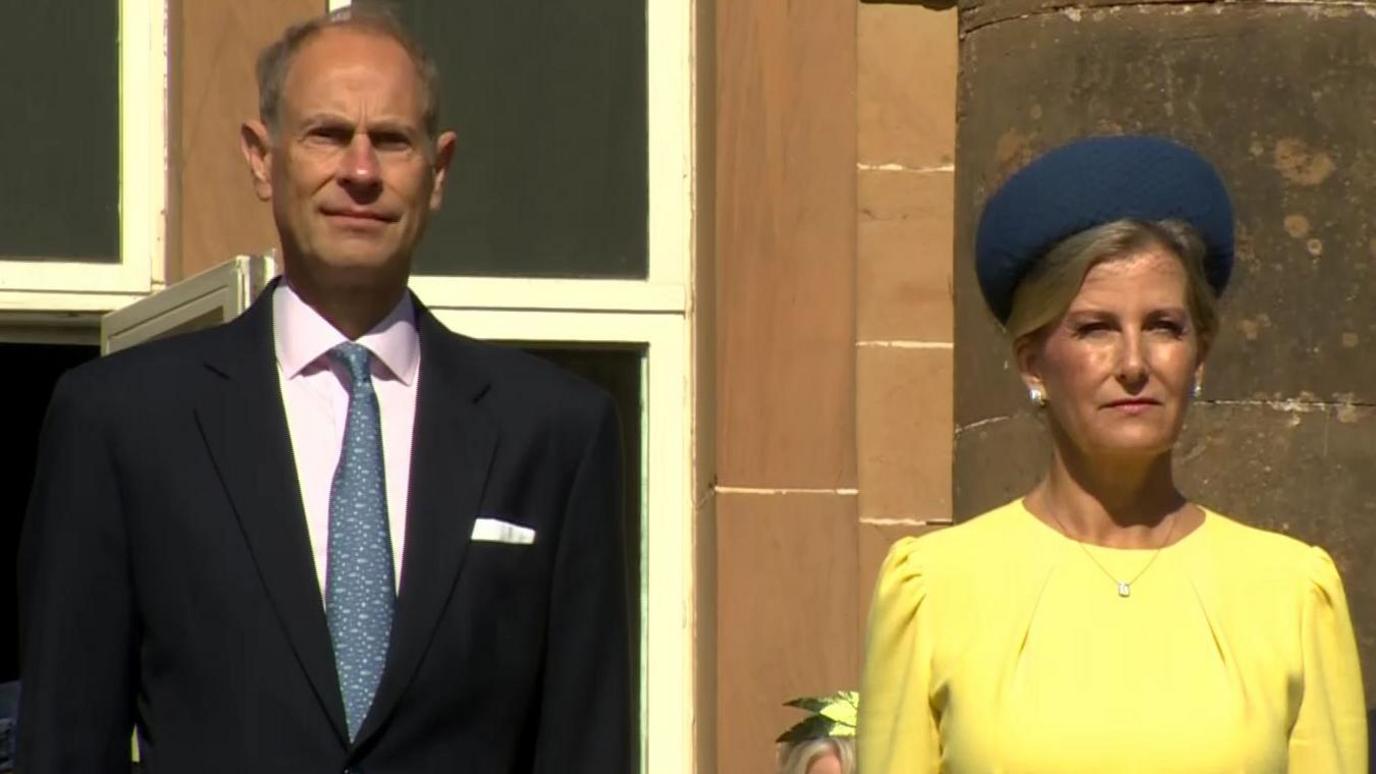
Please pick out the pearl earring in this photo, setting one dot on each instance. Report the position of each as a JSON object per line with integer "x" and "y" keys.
{"x": 1036, "y": 395}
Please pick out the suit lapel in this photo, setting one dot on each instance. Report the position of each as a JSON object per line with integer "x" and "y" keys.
{"x": 245, "y": 426}
{"x": 454, "y": 440}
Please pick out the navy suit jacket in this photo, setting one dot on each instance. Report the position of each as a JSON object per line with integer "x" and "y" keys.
{"x": 166, "y": 579}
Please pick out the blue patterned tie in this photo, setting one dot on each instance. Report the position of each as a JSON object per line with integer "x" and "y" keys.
{"x": 359, "y": 588}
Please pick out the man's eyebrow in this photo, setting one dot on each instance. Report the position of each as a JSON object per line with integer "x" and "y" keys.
{"x": 331, "y": 119}
{"x": 393, "y": 125}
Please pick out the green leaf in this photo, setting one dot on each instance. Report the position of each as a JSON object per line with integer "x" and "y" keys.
{"x": 809, "y": 703}
{"x": 835, "y": 715}
{"x": 811, "y": 727}
{"x": 843, "y": 708}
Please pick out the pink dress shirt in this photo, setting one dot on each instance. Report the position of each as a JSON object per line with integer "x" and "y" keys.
{"x": 316, "y": 396}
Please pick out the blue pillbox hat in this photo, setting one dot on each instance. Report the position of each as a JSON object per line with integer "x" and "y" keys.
{"x": 1088, "y": 183}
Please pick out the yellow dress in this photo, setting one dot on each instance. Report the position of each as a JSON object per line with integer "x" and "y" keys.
{"x": 999, "y": 646}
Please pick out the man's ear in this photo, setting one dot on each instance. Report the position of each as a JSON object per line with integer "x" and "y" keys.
{"x": 444, "y": 153}
{"x": 256, "y": 145}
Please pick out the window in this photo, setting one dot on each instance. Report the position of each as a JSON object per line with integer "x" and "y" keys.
{"x": 63, "y": 64}
{"x": 83, "y": 229}
{"x": 549, "y": 177}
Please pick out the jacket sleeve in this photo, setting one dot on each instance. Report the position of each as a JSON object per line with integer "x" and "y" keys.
{"x": 76, "y": 619}
{"x": 585, "y": 718}
{"x": 1329, "y": 734}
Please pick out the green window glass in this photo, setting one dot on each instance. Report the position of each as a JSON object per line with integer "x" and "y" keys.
{"x": 548, "y": 99}
{"x": 59, "y": 196}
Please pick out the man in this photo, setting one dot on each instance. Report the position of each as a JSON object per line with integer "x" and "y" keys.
{"x": 330, "y": 535}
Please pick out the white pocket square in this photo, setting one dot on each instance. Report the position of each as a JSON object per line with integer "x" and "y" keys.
{"x": 498, "y": 531}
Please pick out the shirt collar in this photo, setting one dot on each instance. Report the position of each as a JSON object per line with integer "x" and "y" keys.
{"x": 301, "y": 336}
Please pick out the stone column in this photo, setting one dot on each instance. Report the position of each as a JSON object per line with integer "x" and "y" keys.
{"x": 905, "y": 180}
{"x": 1282, "y": 98}
{"x": 785, "y": 490}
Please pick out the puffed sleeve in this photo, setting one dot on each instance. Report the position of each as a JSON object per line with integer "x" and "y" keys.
{"x": 897, "y": 732}
{"x": 1329, "y": 735}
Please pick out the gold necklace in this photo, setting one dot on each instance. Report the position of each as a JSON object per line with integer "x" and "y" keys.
{"x": 1124, "y": 586}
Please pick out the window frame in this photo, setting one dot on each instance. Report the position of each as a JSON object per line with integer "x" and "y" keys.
{"x": 45, "y": 285}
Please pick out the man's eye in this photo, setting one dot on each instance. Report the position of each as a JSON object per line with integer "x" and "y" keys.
{"x": 329, "y": 135}
{"x": 389, "y": 141}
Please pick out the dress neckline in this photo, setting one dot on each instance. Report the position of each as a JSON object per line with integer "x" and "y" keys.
{"x": 1188, "y": 537}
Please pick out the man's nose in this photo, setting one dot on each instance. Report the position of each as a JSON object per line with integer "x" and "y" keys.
{"x": 359, "y": 166}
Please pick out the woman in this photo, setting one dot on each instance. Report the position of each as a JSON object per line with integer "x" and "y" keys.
{"x": 1105, "y": 623}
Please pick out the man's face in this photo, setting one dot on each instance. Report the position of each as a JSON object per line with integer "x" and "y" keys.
{"x": 350, "y": 169}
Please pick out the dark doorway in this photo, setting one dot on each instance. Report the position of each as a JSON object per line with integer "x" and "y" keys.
{"x": 33, "y": 370}
{"x": 619, "y": 369}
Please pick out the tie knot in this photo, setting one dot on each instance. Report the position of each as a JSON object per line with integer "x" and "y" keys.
{"x": 356, "y": 358}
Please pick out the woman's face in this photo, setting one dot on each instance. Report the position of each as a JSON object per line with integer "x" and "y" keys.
{"x": 1118, "y": 368}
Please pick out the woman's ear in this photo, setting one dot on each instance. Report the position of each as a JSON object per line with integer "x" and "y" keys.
{"x": 1027, "y": 357}
{"x": 1206, "y": 343}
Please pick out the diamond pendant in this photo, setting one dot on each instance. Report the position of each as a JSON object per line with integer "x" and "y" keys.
{"x": 1124, "y": 589}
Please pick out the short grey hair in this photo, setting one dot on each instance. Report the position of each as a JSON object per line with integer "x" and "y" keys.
{"x": 1044, "y": 295}
{"x": 275, "y": 60}
{"x": 796, "y": 757}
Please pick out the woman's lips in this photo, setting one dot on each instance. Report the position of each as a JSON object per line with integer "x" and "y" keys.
{"x": 1133, "y": 405}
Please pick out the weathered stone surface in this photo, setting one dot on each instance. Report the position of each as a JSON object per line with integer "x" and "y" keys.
{"x": 1283, "y": 99}
{"x": 996, "y": 461}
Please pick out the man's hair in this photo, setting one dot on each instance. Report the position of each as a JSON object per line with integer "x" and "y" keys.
{"x": 275, "y": 60}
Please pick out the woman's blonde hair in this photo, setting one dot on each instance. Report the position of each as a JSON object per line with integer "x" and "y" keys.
{"x": 796, "y": 757}
{"x": 1044, "y": 295}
